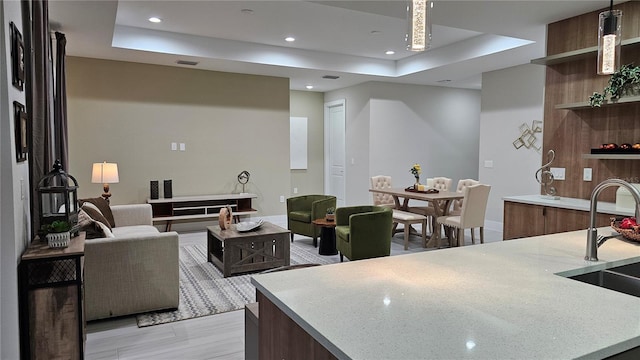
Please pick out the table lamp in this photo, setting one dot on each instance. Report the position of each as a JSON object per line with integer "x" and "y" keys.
{"x": 105, "y": 173}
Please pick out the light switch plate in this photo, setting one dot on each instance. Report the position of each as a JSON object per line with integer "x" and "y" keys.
{"x": 586, "y": 174}
{"x": 174, "y": 146}
{"x": 182, "y": 147}
{"x": 558, "y": 173}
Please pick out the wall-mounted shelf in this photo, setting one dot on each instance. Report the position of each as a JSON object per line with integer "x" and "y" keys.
{"x": 611, "y": 156}
{"x": 585, "y": 104}
{"x": 577, "y": 54}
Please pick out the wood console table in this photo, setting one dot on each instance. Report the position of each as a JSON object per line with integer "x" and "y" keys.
{"x": 200, "y": 207}
{"x": 52, "y": 322}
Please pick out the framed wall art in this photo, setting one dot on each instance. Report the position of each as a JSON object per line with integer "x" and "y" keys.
{"x": 17, "y": 57}
{"x": 21, "y": 126}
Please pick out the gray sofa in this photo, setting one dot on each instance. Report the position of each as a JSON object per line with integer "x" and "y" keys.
{"x": 135, "y": 271}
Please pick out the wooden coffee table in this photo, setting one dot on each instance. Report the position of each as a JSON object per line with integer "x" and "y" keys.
{"x": 235, "y": 252}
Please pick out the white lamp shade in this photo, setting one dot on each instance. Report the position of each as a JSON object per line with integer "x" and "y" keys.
{"x": 104, "y": 173}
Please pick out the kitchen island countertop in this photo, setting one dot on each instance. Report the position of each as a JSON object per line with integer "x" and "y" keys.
{"x": 508, "y": 299}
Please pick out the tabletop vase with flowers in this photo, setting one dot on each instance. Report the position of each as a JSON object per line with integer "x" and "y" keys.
{"x": 416, "y": 170}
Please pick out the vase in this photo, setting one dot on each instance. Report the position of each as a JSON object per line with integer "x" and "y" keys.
{"x": 58, "y": 240}
{"x": 415, "y": 186}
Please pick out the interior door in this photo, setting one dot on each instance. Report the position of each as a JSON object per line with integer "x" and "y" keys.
{"x": 334, "y": 150}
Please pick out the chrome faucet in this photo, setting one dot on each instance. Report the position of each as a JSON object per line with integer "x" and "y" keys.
{"x": 592, "y": 232}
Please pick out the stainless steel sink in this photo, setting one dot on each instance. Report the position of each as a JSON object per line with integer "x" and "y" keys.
{"x": 625, "y": 279}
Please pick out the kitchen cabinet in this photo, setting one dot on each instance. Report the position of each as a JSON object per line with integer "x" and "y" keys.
{"x": 526, "y": 220}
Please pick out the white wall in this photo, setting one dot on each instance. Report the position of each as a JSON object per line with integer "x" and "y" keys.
{"x": 392, "y": 126}
{"x": 510, "y": 97}
{"x": 14, "y": 210}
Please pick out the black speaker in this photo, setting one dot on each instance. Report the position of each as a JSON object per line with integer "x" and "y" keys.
{"x": 155, "y": 189}
{"x": 168, "y": 192}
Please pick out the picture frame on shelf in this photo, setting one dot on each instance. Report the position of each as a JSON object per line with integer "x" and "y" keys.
{"x": 17, "y": 57}
{"x": 21, "y": 131}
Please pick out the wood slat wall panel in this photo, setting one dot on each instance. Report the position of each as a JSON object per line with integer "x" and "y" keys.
{"x": 582, "y": 31}
{"x": 571, "y": 133}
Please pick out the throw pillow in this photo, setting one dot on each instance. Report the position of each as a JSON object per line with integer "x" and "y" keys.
{"x": 89, "y": 226}
{"x": 104, "y": 208}
{"x": 95, "y": 215}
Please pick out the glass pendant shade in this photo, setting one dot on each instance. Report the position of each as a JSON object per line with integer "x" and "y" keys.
{"x": 609, "y": 37}
{"x": 419, "y": 32}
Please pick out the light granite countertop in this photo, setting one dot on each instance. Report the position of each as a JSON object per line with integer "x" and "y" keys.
{"x": 570, "y": 203}
{"x": 508, "y": 299}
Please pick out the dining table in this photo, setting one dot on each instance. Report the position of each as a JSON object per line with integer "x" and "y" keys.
{"x": 441, "y": 201}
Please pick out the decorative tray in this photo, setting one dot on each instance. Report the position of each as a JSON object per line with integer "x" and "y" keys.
{"x": 629, "y": 234}
{"x": 248, "y": 225}
{"x": 428, "y": 191}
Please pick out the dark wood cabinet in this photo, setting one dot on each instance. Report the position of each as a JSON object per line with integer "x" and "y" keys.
{"x": 51, "y": 301}
{"x": 525, "y": 220}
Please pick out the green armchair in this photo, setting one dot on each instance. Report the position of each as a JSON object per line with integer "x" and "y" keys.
{"x": 302, "y": 210}
{"x": 363, "y": 232}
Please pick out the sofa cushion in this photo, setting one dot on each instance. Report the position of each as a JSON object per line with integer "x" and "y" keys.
{"x": 302, "y": 216}
{"x": 135, "y": 230}
{"x": 103, "y": 206}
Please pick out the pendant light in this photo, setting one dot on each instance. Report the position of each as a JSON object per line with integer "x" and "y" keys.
{"x": 419, "y": 33}
{"x": 609, "y": 36}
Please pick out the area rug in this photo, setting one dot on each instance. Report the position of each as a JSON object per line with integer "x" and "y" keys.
{"x": 204, "y": 291}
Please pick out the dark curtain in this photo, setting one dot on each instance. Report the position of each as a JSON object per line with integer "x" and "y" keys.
{"x": 60, "y": 107}
{"x": 39, "y": 155}
{"x": 48, "y": 110}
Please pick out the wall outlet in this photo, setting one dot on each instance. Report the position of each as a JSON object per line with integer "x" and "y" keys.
{"x": 586, "y": 174}
{"x": 558, "y": 173}
{"x": 281, "y": 198}
{"x": 295, "y": 190}
{"x": 488, "y": 163}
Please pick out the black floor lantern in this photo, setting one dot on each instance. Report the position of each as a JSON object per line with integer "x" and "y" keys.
{"x": 58, "y": 193}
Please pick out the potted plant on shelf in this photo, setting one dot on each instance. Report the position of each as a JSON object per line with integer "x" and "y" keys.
{"x": 625, "y": 81}
{"x": 57, "y": 233}
{"x": 330, "y": 216}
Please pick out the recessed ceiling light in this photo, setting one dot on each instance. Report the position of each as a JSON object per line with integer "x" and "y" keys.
{"x": 389, "y": 52}
{"x": 155, "y": 20}
{"x": 246, "y": 11}
{"x": 444, "y": 81}
{"x": 289, "y": 39}
{"x": 309, "y": 87}
{"x": 375, "y": 32}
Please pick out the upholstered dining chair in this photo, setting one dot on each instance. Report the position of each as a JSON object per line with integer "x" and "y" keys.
{"x": 399, "y": 217}
{"x": 471, "y": 215}
{"x": 363, "y": 232}
{"x": 302, "y": 210}
{"x": 440, "y": 184}
{"x": 457, "y": 204}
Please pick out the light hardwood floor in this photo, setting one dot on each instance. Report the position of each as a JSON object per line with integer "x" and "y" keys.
{"x": 218, "y": 336}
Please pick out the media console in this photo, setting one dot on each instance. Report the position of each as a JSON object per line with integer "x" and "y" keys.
{"x": 200, "y": 207}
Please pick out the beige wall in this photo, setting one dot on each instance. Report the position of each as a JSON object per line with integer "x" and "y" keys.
{"x": 310, "y": 105}
{"x": 130, "y": 114}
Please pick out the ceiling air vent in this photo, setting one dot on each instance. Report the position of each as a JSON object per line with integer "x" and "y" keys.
{"x": 187, "y": 62}
{"x": 332, "y": 77}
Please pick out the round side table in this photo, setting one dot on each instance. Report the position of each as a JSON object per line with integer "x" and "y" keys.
{"x": 327, "y": 236}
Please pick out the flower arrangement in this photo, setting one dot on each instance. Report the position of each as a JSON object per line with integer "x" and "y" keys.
{"x": 416, "y": 170}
